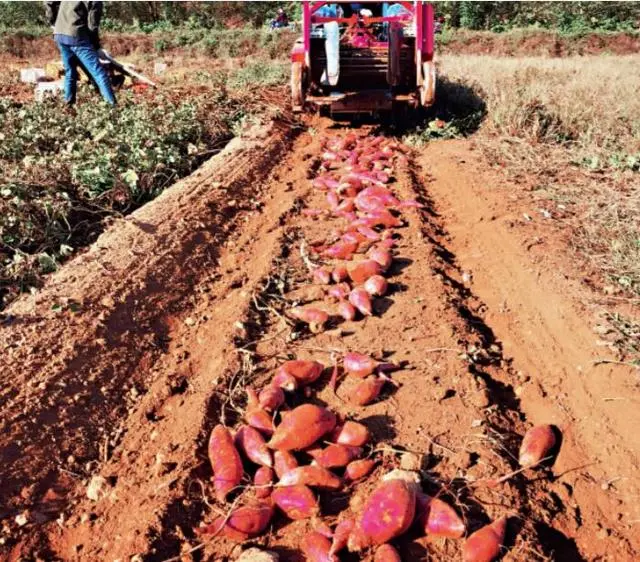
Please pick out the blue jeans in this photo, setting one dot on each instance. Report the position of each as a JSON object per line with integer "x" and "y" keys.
{"x": 87, "y": 56}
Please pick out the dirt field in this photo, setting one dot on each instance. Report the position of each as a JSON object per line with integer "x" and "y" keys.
{"x": 175, "y": 308}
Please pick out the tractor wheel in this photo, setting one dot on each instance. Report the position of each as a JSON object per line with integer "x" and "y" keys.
{"x": 297, "y": 86}
{"x": 427, "y": 90}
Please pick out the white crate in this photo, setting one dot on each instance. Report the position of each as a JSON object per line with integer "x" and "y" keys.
{"x": 45, "y": 89}
{"x": 32, "y": 75}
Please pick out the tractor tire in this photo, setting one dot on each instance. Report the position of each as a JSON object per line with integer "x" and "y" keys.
{"x": 427, "y": 90}
{"x": 297, "y": 86}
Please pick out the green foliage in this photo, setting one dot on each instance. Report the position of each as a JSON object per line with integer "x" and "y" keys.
{"x": 61, "y": 172}
{"x": 566, "y": 17}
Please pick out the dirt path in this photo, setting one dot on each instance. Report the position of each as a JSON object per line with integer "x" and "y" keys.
{"x": 172, "y": 312}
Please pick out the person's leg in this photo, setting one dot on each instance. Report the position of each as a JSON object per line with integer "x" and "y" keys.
{"x": 70, "y": 64}
{"x": 88, "y": 56}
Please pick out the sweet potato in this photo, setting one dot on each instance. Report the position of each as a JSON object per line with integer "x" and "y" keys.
{"x": 334, "y": 456}
{"x": 283, "y": 462}
{"x": 437, "y": 518}
{"x": 386, "y": 553}
{"x": 341, "y": 535}
{"x": 382, "y": 256}
{"x": 350, "y": 433}
{"x": 315, "y": 548}
{"x": 376, "y": 286}
{"x": 263, "y": 480}
{"x": 261, "y": 420}
{"x": 243, "y": 523}
{"x": 360, "y": 299}
{"x": 315, "y": 317}
{"x": 367, "y": 391}
{"x": 346, "y": 310}
{"x": 252, "y": 444}
{"x": 297, "y": 502}
{"x": 388, "y": 513}
{"x": 285, "y": 381}
{"x": 361, "y": 271}
{"x": 358, "y": 364}
{"x": 302, "y": 427}
{"x": 359, "y": 469}
{"x": 313, "y": 476}
{"x": 271, "y": 398}
{"x": 339, "y": 273}
{"x": 484, "y": 545}
{"x": 536, "y": 445}
{"x": 225, "y": 461}
{"x": 305, "y": 372}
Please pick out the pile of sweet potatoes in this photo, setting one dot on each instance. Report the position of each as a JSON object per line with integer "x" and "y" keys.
{"x": 280, "y": 459}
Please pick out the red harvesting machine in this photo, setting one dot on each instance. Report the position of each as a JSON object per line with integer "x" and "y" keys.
{"x": 364, "y": 57}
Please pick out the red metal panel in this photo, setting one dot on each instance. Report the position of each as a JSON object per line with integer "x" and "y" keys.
{"x": 306, "y": 29}
{"x": 429, "y": 33}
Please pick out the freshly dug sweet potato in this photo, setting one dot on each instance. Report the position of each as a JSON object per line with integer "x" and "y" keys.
{"x": 250, "y": 441}
{"x": 359, "y": 469}
{"x": 243, "y": 523}
{"x": 334, "y": 456}
{"x": 297, "y": 502}
{"x": 283, "y": 462}
{"x": 260, "y": 420}
{"x": 302, "y": 427}
{"x": 366, "y": 391}
{"x": 351, "y": 433}
{"x": 316, "y": 546}
{"x": 388, "y": 513}
{"x": 437, "y": 518}
{"x": 386, "y": 553}
{"x": 311, "y": 475}
{"x": 271, "y": 398}
{"x": 305, "y": 372}
{"x": 263, "y": 481}
{"x": 341, "y": 535}
{"x": 484, "y": 545}
{"x": 536, "y": 445}
{"x": 225, "y": 461}
{"x": 361, "y": 271}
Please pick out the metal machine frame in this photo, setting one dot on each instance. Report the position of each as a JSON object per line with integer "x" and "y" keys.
{"x": 379, "y": 74}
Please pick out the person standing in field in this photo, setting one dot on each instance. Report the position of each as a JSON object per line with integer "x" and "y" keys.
{"x": 75, "y": 29}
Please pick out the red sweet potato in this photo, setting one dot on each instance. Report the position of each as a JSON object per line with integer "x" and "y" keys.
{"x": 358, "y": 364}
{"x": 359, "y": 469}
{"x": 315, "y": 548}
{"x": 351, "y": 433}
{"x": 341, "y": 535}
{"x": 438, "y": 518}
{"x": 283, "y": 462}
{"x": 388, "y": 513}
{"x": 313, "y": 476}
{"x": 297, "y": 502}
{"x": 305, "y": 372}
{"x": 302, "y": 427}
{"x": 536, "y": 445}
{"x": 243, "y": 523}
{"x": 484, "y": 545}
{"x": 250, "y": 441}
{"x": 361, "y": 271}
{"x": 261, "y": 420}
{"x": 271, "y": 398}
{"x": 263, "y": 480}
{"x": 366, "y": 391}
{"x": 334, "y": 456}
{"x": 225, "y": 461}
{"x": 386, "y": 553}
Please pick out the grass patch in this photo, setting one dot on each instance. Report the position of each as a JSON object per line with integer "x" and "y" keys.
{"x": 573, "y": 125}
